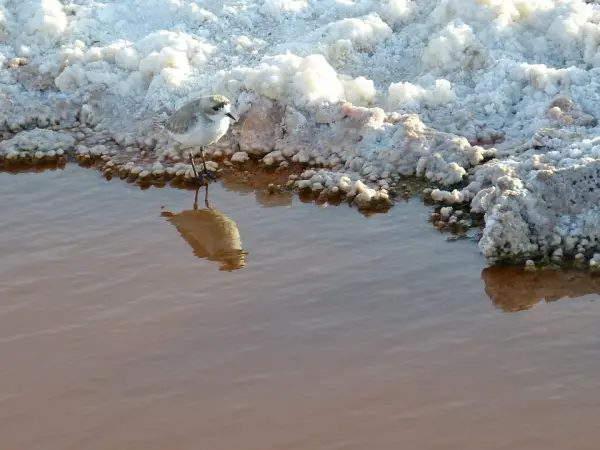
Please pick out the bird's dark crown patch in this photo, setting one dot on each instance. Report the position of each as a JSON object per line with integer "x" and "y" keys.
{"x": 219, "y": 99}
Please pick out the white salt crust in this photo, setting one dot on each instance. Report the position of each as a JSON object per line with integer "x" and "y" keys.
{"x": 499, "y": 96}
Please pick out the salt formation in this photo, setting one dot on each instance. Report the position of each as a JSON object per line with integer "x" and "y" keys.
{"x": 240, "y": 157}
{"x": 329, "y": 185}
{"x": 494, "y": 103}
{"x": 37, "y": 145}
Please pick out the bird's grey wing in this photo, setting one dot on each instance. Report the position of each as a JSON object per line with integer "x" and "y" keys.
{"x": 184, "y": 118}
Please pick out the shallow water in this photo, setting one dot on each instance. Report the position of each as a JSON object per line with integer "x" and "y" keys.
{"x": 340, "y": 332}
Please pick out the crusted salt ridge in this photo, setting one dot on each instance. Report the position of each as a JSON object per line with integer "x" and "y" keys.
{"x": 37, "y": 144}
{"x": 541, "y": 200}
{"x": 548, "y": 210}
{"x": 346, "y": 138}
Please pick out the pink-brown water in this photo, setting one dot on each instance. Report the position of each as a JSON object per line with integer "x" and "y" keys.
{"x": 341, "y": 332}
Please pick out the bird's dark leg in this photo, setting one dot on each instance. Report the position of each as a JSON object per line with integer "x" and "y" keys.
{"x": 206, "y": 172}
{"x": 196, "y": 199}
{"x": 206, "y": 197}
{"x": 199, "y": 179}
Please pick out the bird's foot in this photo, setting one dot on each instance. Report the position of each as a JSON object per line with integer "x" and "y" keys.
{"x": 200, "y": 179}
{"x": 203, "y": 178}
{"x": 209, "y": 175}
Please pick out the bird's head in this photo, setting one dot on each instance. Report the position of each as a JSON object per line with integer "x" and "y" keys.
{"x": 216, "y": 107}
{"x": 234, "y": 261}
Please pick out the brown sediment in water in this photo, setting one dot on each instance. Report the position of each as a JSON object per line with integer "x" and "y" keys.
{"x": 41, "y": 166}
{"x": 340, "y": 332}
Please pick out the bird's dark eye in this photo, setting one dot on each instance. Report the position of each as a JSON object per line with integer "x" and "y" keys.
{"x": 215, "y": 108}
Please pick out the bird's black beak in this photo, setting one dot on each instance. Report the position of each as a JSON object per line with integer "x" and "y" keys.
{"x": 231, "y": 116}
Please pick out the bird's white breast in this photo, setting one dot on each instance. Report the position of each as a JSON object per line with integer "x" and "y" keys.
{"x": 204, "y": 133}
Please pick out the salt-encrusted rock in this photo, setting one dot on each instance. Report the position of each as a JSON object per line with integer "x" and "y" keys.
{"x": 446, "y": 212}
{"x": 240, "y": 157}
{"x": 260, "y": 127}
{"x": 564, "y": 112}
{"x": 443, "y": 196}
{"x": 369, "y": 198}
{"x": 38, "y": 140}
{"x": 542, "y": 213}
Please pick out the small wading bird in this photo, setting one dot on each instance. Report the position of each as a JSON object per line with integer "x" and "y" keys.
{"x": 210, "y": 233}
{"x": 199, "y": 123}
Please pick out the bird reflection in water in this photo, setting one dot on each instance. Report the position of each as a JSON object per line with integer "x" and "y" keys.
{"x": 211, "y": 234}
